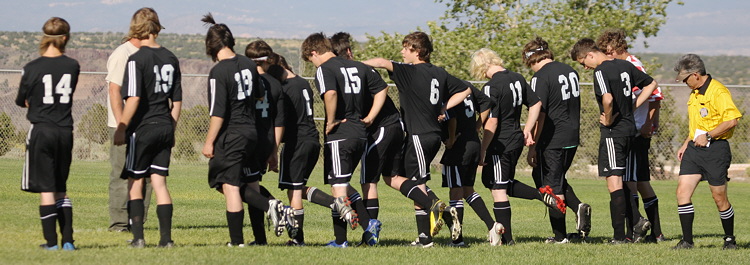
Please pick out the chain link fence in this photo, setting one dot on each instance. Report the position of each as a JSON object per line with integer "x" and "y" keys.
{"x": 92, "y": 138}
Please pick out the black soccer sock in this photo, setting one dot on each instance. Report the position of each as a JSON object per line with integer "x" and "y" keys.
{"x": 503, "y": 214}
{"x": 257, "y": 219}
{"x": 235, "y": 222}
{"x": 339, "y": 227}
{"x": 164, "y": 212}
{"x": 727, "y": 220}
{"x": 359, "y": 207}
{"x": 48, "y": 215}
{"x": 135, "y": 213}
{"x": 477, "y": 203}
{"x": 411, "y": 191}
{"x": 687, "y": 215}
{"x": 263, "y": 191}
{"x": 617, "y": 213}
{"x": 459, "y": 205}
{"x": 557, "y": 221}
{"x": 65, "y": 219}
{"x": 254, "y": 198}
{"x": 519, "y": 190}
{"x": 630, "y": 217}
{"x": 571, "y": 199}
{"x": 373, "y": 207}
{"x": 299, "y": 215}
{"x": 431, "y": 194}
{"x": 423, "y": 226}
{"x": 651, "y": 205}
{"x": 319, "y": 197}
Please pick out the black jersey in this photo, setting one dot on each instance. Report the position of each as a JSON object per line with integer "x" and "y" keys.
{"x": 618, "y": 77}
{"x": 48, "y": 83}
{"x": 510, "y": 92}
{"x": 465, "y": 150}
{"x": 267, "y": 112}
{"x": 153, "y": 75}
{"x": 349, "y": 79}
{"x": 422, "y": 89}
{"x": 556, "y": 85}
{"x": 232, "y": 85}
{"x": 298, "y": 109}
{"x": 388, "y": 113}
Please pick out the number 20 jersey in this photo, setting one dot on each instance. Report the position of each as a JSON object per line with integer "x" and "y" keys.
{"x": 556, "y": 85}
{"x": 153, "y": 74}
{"x": 48, "y": 84}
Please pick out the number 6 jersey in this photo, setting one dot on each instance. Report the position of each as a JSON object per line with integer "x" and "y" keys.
{"x": 48, "y": 83}
{"x": 153, "y": 74}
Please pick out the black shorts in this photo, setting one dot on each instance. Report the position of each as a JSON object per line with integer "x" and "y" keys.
{"x": 500, "y": 169}
{"x": 256, "y": 163}
{"x": 230, "y": 149}
{"x": 382, "y": 153}
{"x": 638, "y": 165}
{"x": 552, "y": 165}
{"x": 711, "y": 162}
{"x": 418, "y": 152}
{"x": 149, "y": 151}
{"x": 298, "y": 160}
{"x": 340, "y": 158}
{"x": 613, "y": 155}
{"x": 48, "y": 155}
{"x": 459, "y": 176}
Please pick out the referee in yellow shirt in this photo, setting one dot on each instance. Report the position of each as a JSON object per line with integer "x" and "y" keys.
{"x": 705, "y": 154}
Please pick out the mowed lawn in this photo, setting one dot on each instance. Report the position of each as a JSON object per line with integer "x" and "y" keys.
{"x": 199, "y": 228}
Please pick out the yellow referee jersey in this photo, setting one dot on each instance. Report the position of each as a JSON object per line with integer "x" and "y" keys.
{"x": 709, "y": 106}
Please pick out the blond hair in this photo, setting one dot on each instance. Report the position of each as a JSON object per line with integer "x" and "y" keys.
{"x": 481, "y": 60}
{"x": 145, "y": 21}
{"x": 56, "y": 33}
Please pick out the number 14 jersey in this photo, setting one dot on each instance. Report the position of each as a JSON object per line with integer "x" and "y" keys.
{"x": 48, "y": 83}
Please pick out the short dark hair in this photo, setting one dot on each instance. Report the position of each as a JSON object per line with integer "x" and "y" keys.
{"x": 582, "y": 47}
{"x": 419, "y": 41}
{"x": 613, "y": 38}
{"x": 257, "y": 49}
{"x": 340, "y": 43}
{"x": 535, "y": 51}
{"x": 217, "y": 37}
{"x": 315, "y": 42}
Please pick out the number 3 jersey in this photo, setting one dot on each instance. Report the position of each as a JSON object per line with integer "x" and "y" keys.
{"x": 350, "y": 80}
{"x": 556, "y": 85}
{"x": 618, "y": 77}
{"x": 153, "y": 75}
{"x": 233, "y": 84}
{"x": 48, "y": 83}
{"x": 509, "y": 91}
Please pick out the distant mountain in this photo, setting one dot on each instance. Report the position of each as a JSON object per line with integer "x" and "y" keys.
{"x": 730, "y": 70}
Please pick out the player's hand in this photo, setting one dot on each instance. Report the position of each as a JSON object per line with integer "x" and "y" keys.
{"x": 701, "y": 141}
{"x": 331, "y": 125}
{"x": 646, "y": 130}
{"x": 27, "y": 103}
{"x": 531, "y": 156}
{"x": 528, "y": 138}
{"x": 681, "y": 151}
{"x": 273, "y": 162}
{"x": 607, "y": 122}
{"x": 481, "y": 158}
{"x": 119, "y": 137}
{"x": 208, "y": 150}
{"x": 441, "y": 117}
{"x": 367, "y": 121}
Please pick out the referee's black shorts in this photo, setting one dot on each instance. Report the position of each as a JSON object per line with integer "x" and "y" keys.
{"x": 711, "y": 162}
{"x": 48, "y": 156}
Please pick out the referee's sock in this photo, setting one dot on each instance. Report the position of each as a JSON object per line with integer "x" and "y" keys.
{"x": 48, "y": 215}
{"x": 503, "y": 215}
{"x": 319, "y": 197}
{"x": 687, "y": 215}
{"x": 410, "y": 190}
{"x": 256, "y": 222}
{"x": 235, "y": 222}
{"x": 164, "y": 212}
{"x": 651, "y": 205}
{"x": 135, "y": 213}
{"x": 477, "y": 203}
{"x": 373, "y": 207}
{"x": 617, "y": 212}
{"x": 65, "y": 219}
{"x": 727, "y": 220}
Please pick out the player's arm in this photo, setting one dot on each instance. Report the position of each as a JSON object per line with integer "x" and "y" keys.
{"x": 377, "y": 104}
{"x": 531, "y": 119}
{"x": 116, "y": 71}
{"x": 131, "y": 105}
{"x": 489, "y": 134}
{"x": 483, "y": 117}
{"x": 380, "y": 63}
{"x": 214, "y": 125}
{"x": 22, "y": 99}
{"x": 176, "y": 109}
{"x": 330, "y": 99}
{"x": 115, "y": 100}
{"x": 536, "y": 132}
{"x": 457, "y": 98}
{"x": 452, "y": 136}
{"x": 607, "y": 118}
{"x": 646, "y": 93}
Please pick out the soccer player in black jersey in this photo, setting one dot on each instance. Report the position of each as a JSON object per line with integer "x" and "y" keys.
{"x": 233, "y": 85}
{"x": 504, "y": 140}
{"x": 46, "y": 89}
{"x": 556, "y": 135}
{"x": 614, "y": 80}
{"x": 424, "y": 89}
{"x": 342, "y": 85}
{"x": 152, "y": 92}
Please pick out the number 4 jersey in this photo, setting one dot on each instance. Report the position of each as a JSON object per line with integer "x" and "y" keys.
{"x": 48, "y": 83}
{"x": 153, "y": 75}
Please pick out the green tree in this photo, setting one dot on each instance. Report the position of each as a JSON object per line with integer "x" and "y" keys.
{"x": 8, "y": 134}
{"x": 93, "y": 124}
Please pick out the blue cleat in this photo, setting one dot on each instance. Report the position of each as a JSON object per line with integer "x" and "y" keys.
{"x": 333, "y": 244}
{"x": 45, "y": 247}
{"x": 372, "y": 233}
{"x": 68, "y": 246}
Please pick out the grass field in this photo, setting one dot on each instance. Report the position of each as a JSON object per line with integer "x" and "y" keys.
{"x": 199, "y": 228}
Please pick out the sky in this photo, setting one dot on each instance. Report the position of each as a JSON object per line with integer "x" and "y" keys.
{"x": 702, "y": 27}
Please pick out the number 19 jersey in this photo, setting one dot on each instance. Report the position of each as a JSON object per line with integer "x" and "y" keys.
{"x": 48, "y": 83}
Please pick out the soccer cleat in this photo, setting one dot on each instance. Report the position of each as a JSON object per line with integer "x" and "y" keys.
{"x": 661, "y": 238}
{"x": 45, "y": 247}
{"x": 256, "y": 243}
{"x": 420, "y": 245}
{"x": 68, "y": 246}
{"x": 729, "y": 243}
{"x": 683, "y": 245}
{"x": 294, "y": 243}
{"x": 333, "y": 244}
{"x": 436, "y": 216}
{"x": 229, "y": 244}
{"x": 510, "y": 243}
{"x": 371, "y": 236}
{"x": 583, "y": 219}
{"x": 169, "y": 244}
{"x": 343, "y": 206}
{"x": 456, "y": 226}
{"x": 291, "y": 225}
{"x": 620, "y": 242}
{"x": 495, "y": 236}
{"x": 460, "y": 244}
{"x": 551, "y": 200}
{"x": 138, "y": 243}
{"x": 276, "y": 216}
{"x": 551, "y": 240}
{"x": 640, "y": 229}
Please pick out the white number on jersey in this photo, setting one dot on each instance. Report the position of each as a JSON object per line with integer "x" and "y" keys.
{"x": 434, "y": 91}
{"x": 63, "y": 88}
{"x": 307, "y": 102}
{"x": 164, "y": 78}
{"x": 244, "y": 83}
{"x": 625, "y": 77}
{"x": 569, "y": 85}
{"x": 352, "y": 83}
{"x": 517, "y": 93}
{"x": 263, "y": 105}
{"x": 469, "y": 107}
